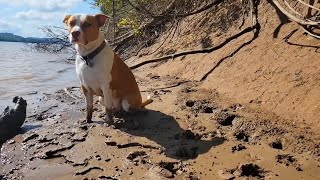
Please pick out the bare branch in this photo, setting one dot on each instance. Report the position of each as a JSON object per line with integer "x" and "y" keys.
{"x": 292, "y": 17}
{"x": 308, "y": 5}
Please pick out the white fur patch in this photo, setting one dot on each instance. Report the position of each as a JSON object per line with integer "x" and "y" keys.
{"x": 83, "y": 17}
{"x": 79, "y": 18}
{"x": 101, "y": 100}
{"x": 97, "y": 77}
{"x": 125, "y": 105}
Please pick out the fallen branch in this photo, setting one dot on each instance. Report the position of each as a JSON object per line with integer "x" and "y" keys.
{"x": 293, "y": 10}
{"x": 308, "y": 5}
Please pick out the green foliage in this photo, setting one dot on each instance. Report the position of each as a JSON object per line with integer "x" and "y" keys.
{"x": 125, "y": 22}
{"x": 106, "y": 6}
{"x": 125, "y": 17}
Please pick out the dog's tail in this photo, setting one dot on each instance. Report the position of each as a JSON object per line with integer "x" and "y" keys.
{"x": 146, "y": 102}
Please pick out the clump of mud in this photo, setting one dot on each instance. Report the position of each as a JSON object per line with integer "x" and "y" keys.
{"x": 138, "y": 157}
{"x": 277, "y": 145}
{"x": 245, "y": 170}
{"x": 238, "y": 147}
{"x": 250, "y": 169}
{"x": 288, "y": 160}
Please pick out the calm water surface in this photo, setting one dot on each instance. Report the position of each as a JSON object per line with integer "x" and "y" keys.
{"x": 23, "y": 71}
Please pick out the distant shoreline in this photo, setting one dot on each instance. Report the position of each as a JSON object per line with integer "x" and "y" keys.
{"x": 10, "y": 37}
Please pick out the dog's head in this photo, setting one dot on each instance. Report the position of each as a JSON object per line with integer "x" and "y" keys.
{"x": 84, "y": 28}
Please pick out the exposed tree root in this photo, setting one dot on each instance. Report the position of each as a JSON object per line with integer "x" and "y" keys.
{"x": 229, "y": 56}
{"x": 198, "y": 51}
{"x": 255, "y": 28}
{"x": 287, "y": 40}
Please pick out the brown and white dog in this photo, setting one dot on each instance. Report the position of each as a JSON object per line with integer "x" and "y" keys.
{"x": 101, "y": 72}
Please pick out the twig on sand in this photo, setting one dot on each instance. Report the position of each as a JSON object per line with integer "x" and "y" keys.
{"x": 168, "y": 87}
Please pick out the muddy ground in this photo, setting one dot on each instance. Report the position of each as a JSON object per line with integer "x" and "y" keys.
{"x": 187, "y": 133}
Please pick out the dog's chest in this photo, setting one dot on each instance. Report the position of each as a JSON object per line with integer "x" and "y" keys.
{"x": 98, "y": 76}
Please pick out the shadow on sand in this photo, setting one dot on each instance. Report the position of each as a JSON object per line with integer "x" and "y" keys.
{"x": 163, "y": 129}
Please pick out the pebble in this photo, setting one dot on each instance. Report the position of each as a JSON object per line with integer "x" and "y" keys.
{"x": 224, "y": 174}
{"x": 11, "y": 141}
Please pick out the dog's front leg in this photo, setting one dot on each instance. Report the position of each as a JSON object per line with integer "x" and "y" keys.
{"x": 89, "y": 101}
{"x": 107, "y": 96}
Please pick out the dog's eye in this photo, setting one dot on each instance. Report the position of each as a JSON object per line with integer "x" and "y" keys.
{"x": 72, "y": 23}
{"x": 86, "y": 25}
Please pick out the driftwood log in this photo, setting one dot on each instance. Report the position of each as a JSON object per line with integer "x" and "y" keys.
{"x": 12, "y": 119}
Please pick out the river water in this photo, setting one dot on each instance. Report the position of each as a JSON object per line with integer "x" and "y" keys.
{"x": 24, "y": 72}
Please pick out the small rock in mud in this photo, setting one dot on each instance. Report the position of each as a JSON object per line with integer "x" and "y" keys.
{"x": 11, "y": 141}
{"x": 162, "y": 171}
{"x": 189, "y": 103}
{"x": 226, "y": 174}
{"x": 207, "y": 109}
{"x": 11, "y": 119}
{"x": 238, "y": 147}
{"x": 277, "y": 145}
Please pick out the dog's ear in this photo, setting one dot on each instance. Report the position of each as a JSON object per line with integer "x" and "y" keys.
{"x": 102, "y": 19}
{"x": 66, "y": 17}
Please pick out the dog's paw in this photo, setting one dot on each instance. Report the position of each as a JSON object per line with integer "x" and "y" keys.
{"x": 102, "y": 115}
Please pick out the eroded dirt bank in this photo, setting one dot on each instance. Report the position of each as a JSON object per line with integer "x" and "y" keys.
{"x": 187, "y": 133}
